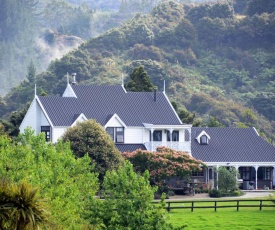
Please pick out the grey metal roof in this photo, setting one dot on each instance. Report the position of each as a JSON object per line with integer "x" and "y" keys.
{"x": 232, "y": 145}
{"x": 100, "y": 102}
{"x": 129, "y": 147}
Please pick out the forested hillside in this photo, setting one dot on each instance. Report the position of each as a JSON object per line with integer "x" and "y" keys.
{"x": 40, "y": 31}
{"x": 217, "y": 61}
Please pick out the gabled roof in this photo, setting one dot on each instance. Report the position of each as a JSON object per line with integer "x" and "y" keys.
{"x": 231, "y": 145}
{"x": 100, "y": 102}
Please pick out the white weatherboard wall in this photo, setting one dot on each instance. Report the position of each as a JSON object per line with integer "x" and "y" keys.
{"x": 133, "y": 135}
{"x": 41, "y": 119}
{"x": 57, "y": 133}
{"x": 30, "y": 118}
{"x": 114, "y": 123}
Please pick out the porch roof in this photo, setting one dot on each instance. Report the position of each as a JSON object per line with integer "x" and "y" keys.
{"x": 229, "y": 145}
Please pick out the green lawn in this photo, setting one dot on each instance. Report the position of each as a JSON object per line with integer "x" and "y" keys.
{"x": 224, "y": 218}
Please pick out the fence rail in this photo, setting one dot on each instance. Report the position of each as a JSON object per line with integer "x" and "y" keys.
{"x": 238, "y": 204}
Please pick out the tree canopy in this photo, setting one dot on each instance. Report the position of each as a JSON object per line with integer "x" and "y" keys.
{"x": 139, "y": 81}
{"x": 128, "y": 203}
{"x": 65, "y": 182}
{"x": 89, "y": 137}
{"x": 227, "y": 179}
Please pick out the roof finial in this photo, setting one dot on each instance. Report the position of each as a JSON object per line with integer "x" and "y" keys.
{"x": 74, "y": 80}
{"x": 163, "y": 86}
{"x": 122, "y": 79}
{"x": 68, "y": 80}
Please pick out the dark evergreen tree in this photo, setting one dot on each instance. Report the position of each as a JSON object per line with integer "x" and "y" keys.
{"x": 140, "y": 81}
{"x": 31, "y": 72}
{"x": 90, "y": 138}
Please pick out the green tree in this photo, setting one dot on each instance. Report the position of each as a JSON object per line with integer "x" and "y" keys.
{"x": 21, "y": 207}
{"x": 12, "y": 126}
{"x": 249, "y": 117}
{"x": 140, "y": 81}
{"x": 227, "y": 179}
{"x": 90, "y": 138}
{"x": 31, "y": 72}
{"x": 128, "y": 203}
{"x": 185, "y": 33}
{"x": 213, "y": 122}
{"x": 65, "y": 182}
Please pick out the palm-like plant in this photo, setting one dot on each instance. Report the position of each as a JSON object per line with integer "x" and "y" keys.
{"x": 20, "y": 207}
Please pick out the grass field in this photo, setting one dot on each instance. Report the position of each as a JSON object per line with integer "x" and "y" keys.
{"x": 224, "y": 218}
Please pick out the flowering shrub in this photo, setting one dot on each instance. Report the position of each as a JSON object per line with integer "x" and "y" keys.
{"x": 163, "y": 163}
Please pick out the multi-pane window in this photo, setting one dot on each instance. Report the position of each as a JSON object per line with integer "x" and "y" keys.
{"x": 47, "y": 131}
{"x": 116, "y": 134}
{"x": 175, "y": 135}
{"x": 119, "y": 135}
{"x": 245, "y": 173}
{"x": 157, "y": 135}
{"x": 264, "y": 173}
{"x": 111, "y": 132}
{"x": 198, "y": 173}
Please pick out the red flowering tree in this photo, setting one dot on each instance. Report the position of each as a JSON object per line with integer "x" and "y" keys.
{"x": 163, "y": 164}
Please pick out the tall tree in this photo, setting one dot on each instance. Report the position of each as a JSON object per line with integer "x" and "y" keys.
{"x": 140, "y": 81}
{"x": 227, "y": 179}
{"x": 31, "y": 72}
{"x": 128, "y": 203}
{"x": 90, "y": 138}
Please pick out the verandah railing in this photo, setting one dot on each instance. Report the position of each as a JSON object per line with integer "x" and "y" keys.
{"x": 216, "y": 204}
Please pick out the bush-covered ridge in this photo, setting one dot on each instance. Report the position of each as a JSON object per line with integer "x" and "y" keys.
{"x": 215, "y": 62}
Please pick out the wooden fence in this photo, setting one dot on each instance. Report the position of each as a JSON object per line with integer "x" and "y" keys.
{"x": 242, "y": 203}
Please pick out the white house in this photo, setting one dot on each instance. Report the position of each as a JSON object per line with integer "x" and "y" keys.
{"x": 147, "y": 120}
{"x": 134, "y": 120}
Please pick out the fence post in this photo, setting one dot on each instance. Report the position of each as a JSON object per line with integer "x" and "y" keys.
{"x": 192, "y": 208}
{"x": 168, "y": 208}
{"x": 238, "y": 205}
{"x": 215, "y": 206}
{"x": 261, "y": 202}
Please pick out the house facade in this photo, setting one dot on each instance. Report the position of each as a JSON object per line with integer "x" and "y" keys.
{"x": 134, "y": 120}
{"x": 147, "y": 120}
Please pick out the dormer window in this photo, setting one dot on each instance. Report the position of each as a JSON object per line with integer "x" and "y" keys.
{"x": 204, "y": 140}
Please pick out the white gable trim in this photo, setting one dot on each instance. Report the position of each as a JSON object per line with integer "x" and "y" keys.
{"x": 44, "y": 111}
{"x": 115, "y": 116}
{"x": 172, "y": 107}
{"x": 69, "y": 92}
{"x": 198, "y": 138}
{"x": 81, "y": 116}
{"x": 256, "y": 131}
